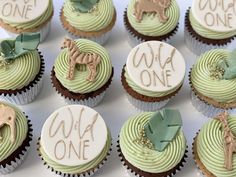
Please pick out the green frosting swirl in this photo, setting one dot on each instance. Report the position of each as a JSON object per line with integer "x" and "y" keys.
{"x": 147, "y": 159}
{"x": 36, "y": 22}
{"x": 7, "y": 147}
{"x": 21, "y": 72}
{"x": 96, "y": 20}
{"x": 210, "y": 147}
{"x": 207, "y": 33}
{"x": 150, "y": 25}
{"x": 220, "y": 90}
{"x": 79, "y": 84}
{"x": 146, "y": 92}
{"x": 81, "y": 168}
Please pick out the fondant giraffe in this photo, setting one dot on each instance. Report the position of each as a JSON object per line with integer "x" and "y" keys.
{"x": 229, "y": 140}
{"x": 78, "y": 57}
{"x": 8, "y": 117}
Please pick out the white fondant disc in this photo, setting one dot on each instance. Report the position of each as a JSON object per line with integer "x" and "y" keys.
{"x": 156, "y": 66}
{"x": 215, "y": 15}
{"x": 64, "y": 137}
{"x": 22, "y": 11}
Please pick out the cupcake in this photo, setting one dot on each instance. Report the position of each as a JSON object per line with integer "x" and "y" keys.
{"x": 89, "y": 19}
{"x": 23, "y": 16}
{"x": 147, "y": 20}
{"x": 82, "y": 72}
{"x": 75, "y": 141}
{"x": 153, "y": 74}
{"x": 15, "y": 137}
{"x": 210, "y": 25}
{"x": 153, "y": 144}
{"x": 21, "y": 68}
{"x": 213, "y": 82}
{"x": 214, "y": 147}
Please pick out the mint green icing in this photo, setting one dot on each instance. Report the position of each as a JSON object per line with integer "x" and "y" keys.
{"x": 11, "y": 49}
{"x": 20, "y": 72}
{"x": 7, "y": 147}
{"x": 96, "y": 20}
{"x": 144, "y": 158}
{"x": 142, "y": 91}
{"x": 163, "y": 127}
{"x": 80, "y": 84}
{"x": 210, "y": 147}
{"x": 150, "y": 25}
{"x": 81, "y": 168}
{"x": 220, "y": 90}
{"x": 84, "y": 5}
{"x": 207, "y": 33}
{"x": 36, "y": 22}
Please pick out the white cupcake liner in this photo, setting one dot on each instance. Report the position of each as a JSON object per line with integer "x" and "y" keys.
{"x": 26, "y": 96}
{"x": 146, "y": 106}
{"x": 44, "y": 31}
{"x": 102, "y": 39}
{"x": 207, "y": 109}
{"x": 197, "y": 47}
{"x": 85, "y": 174}
{"x": 91, "y": 101}
{"x": 134, "y": 41}
{"x": 14, "y": 164}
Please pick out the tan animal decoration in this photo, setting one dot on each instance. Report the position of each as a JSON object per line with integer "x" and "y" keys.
{"x": 8, "y": 117}
{"x": 156, "y": 6}
{"x": 78, "y": 57}
{"x": 229, "y": 140}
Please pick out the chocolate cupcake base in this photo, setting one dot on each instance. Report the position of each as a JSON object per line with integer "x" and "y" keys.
{"x": 134, "y": 171}
{"x": 18, "y": 156}
{"x": 84, "y": 174}
{"x": 136, "y": 38}
{"x": 198, "y": 44}
{"x": 28, "y": 93}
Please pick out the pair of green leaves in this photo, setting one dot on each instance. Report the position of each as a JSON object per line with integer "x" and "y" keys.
{"x": 229, "y": 66}
{"x": 11, "y": 49}
{"x": 163, "y": 127}
{"x": 84, "y": 6}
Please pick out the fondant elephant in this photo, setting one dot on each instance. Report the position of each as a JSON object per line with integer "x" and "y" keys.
{"x": 8, "y": 117}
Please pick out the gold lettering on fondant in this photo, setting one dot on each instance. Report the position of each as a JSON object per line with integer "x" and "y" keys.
{"x": 156, "y": 72}
{"x": 220, "y": 12}
{"x": 66, "y": 148}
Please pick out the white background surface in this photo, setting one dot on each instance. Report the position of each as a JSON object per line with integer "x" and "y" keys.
{"x": 115, "y": 108}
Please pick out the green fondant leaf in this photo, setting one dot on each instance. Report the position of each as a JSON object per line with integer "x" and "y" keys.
{"x": 163, "y": 127}
{"x": 229, "y": 66}
{"x": 11, "y": 49}
{"x": 84, "y": 5}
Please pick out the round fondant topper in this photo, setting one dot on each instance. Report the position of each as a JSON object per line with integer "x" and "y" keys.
{"x": 74, "y": 135}
{"x": 156, "y": 66}
{"x": 22, "y": 11}
{"x": 216, "y": 15}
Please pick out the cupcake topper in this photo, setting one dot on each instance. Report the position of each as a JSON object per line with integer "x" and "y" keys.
{"x": 84, "y": 6}
{"x": 229, "y": 140}
{"x": 76, "y": 56}
{"x": 11, "y": 49}
{"x": 229, "y": 66}
{"x": 149, "y": 6}
{"x": 162, "y": 128}
{"x": 8, "y": 117}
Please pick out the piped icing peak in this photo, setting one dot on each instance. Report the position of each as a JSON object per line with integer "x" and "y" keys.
{"x": 84, "y": 6}
{"x": 215, "y": 15}
{"x": 8, "y": 117}
{"x": 22, "y": 11}
{"x": 229, "y": 140}
{"x": 76, "y": 56}
{"x": 74, "y": 135}
{"x": 156, "y": 66}
{"x": 151, "y": 6}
